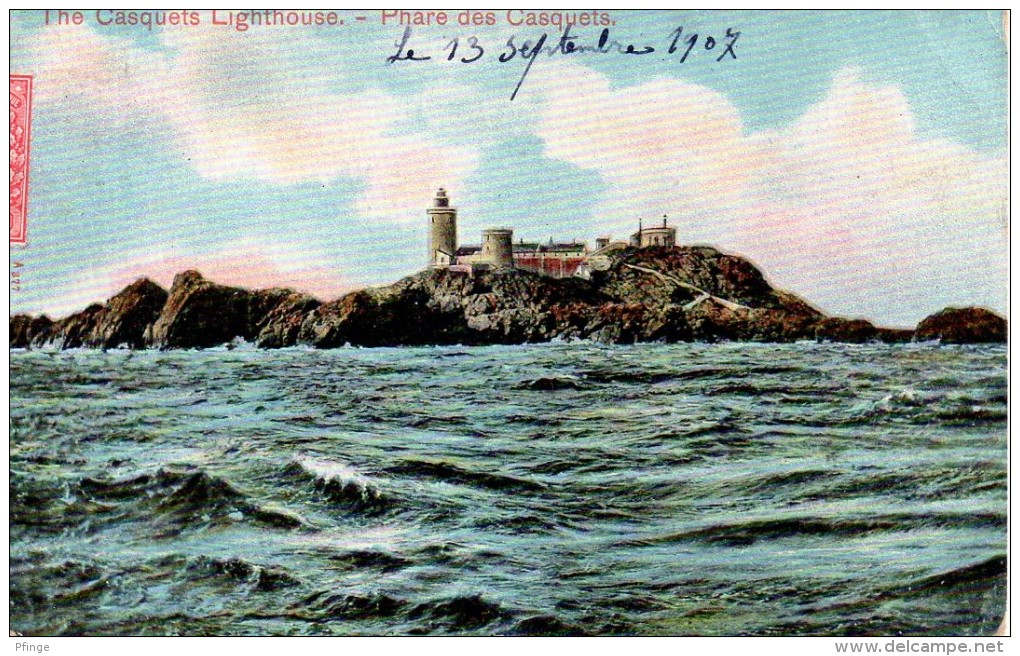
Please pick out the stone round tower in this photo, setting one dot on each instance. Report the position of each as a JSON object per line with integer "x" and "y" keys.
{"x": 498, "y": 247}
{"x": 442, "y": 230}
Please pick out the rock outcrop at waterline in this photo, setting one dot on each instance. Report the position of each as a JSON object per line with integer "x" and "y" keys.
{"x": 963, "y": 326}
{"x": 858, "y": 331}
{"x": 652, "y": 294}
{"x": 121, "y": 322}
{"x": 25, "y": 329}
{"x": 199, "y": 314}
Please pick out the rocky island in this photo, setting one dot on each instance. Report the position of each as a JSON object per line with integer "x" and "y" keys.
{"x": 659, "y": 293}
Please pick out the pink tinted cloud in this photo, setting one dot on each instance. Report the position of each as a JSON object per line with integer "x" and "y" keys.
{"x": 251, "y": 269}
{"x": 248, "y": 267}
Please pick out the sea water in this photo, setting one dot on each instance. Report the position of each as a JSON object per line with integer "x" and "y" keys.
{"x": 689, "y": 489}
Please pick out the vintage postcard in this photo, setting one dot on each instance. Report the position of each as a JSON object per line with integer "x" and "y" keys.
{"x": 508, "y": 323}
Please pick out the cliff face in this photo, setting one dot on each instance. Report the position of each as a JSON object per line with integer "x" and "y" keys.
{"x": 652, "y": 294}
{"x": 127, "y": 316}
{"x": 199, "y": 314}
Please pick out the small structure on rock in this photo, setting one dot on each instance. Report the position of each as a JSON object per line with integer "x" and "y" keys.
{"x": 664, "y": 235}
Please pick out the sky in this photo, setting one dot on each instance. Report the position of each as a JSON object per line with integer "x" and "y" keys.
{"x": 858, "y": 158}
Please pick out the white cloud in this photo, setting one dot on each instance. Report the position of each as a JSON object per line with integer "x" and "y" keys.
{"x": 849, "y": 206}
{"x": 656, "y": 144}
{"x": 237, "y": 109}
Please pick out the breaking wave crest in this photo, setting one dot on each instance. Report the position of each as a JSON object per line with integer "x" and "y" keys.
{"x": 340, "y": 483}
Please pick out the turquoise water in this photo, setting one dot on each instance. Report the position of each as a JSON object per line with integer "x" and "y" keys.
{"x": 552, "y": 489}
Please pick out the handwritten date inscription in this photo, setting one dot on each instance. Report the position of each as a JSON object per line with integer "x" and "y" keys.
{"x": 679, "y": 44}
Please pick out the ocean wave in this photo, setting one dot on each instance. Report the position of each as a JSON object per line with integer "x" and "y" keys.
{"x": 369, "y": 559}
{"x": 743, "y": 533}
{"x": 748, "y": 532}
{"x": 49, "y": 506}
{"x": 461, "y": 612}
{"x": 534, "y": 419}
{"x": 654, "y": 377}
{"x": 991, "y": 568}
{"x": 908, "y": 398}
{"x": 324, "y": 606}
{"x": 970, "y": 415}
{"x": 518, "y": 523}
{"x": 546, "y": 625}
{"x": 177, "y": 500}
{"x": 714, "y": 428}
{"x": 929, "y": 483}
{"x": 66, "y": 581}
{"x": 784, "y": 392}
{"x": 556, "y": 466}
{"x": 632, "y": 377}
{"x": 261, "y": 578}
{"x": 918, "y": 406}
{"x": 341, "y": 484}
{"x": 445, "y": 471}
{"x": 780, "y": 482}
{"x": 550, "y": 384}
{"x": 979, "y": 587}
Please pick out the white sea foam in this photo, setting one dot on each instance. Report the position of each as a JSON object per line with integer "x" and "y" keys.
{"x": 337, "y": 475}
{"x": 331, "y": 470}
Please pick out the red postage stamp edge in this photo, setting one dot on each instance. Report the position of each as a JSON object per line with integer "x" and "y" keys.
{"x": 21, "y": 127}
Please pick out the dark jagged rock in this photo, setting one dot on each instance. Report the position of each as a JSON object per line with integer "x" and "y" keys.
{"x": 855, "y": 331}
{"x": 74, "y": 331}
{"x": 27, "y": 330}
{"x": 282, "y": 324}
{"x": 440, "y": 306}
{"x": 123, "y": 321}
{"x": 894, "y": 335}
{"x": 858, "y": 331}
{"x": 201, "y": 314}
{"x": 387, "y": 317}
{"x": 698, "y": 268}
{"x": 712, "y": 321}
{"x": 708, "y": 295}
{"x": 128, "y": 315}
{"x": 968, "y": 325}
